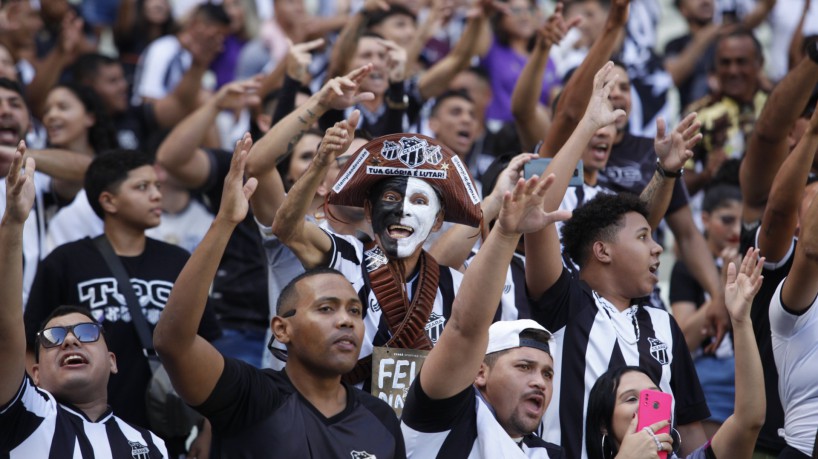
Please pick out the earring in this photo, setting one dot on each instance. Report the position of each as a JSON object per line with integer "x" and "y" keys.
{"x": 677, "y": 440}
{"x": 604, "y": 455}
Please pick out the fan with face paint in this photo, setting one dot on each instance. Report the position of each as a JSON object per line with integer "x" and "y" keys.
{"x": 403, "y": 211}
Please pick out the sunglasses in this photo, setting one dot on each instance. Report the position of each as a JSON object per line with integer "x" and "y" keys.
{"x": 87, "y": 332}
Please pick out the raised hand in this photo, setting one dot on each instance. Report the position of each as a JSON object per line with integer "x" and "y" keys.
{"x": 19, "y": 187}
{"x": 600, "y": 111}
{"x": 342, "y": 92}
{"x": 743, "y": 285}
{"x": 236, "y": 194}
{"x": 508, "y": 178}
{"x": 523, "y": 208}
{"x": 238, "y": 95}
{"x": 299, "y": 58}
{"x": 337, "y": 140}
{"x": 555, "y": 28}
{"x": 395, "y": 60}
{"x": 676, "y": 149}
{"x": 618, "y": 14}
{"x": 70, "y": 33}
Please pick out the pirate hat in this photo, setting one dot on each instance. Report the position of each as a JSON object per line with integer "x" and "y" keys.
{"x": 410, "y": 155}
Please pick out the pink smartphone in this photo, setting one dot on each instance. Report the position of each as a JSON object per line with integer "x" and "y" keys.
{"x": 655, "y": 406}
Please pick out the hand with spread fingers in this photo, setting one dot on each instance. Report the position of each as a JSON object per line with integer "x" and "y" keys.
{"x": 600, "y": 111}
{"x": 675, "y": 149}
{"x": 523, "y": 208}
{"x": 342, "y": 92}
{"x": 20, "y": 191}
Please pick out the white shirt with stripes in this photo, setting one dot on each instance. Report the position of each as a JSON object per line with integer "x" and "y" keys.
{"x": 35, "y": 425}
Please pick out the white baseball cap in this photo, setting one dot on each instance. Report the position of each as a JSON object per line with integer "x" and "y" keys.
{"x": 505, "y": 334}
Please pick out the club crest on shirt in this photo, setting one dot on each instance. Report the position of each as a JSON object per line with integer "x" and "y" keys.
{"x": 139, "y": 451}
{"x": 434, "y": 327}
{"x": 658, "y": 350}
{"x": 361, "y": 455}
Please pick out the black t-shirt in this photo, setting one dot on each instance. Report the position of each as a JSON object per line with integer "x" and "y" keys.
{"x": 768, "y": 438}
{"x": 695, "y": 86}
{"x": 258, "y": 413}
{"x": 76, "y": 274}
{"x": 137, "y": 128}
{"x": 240, "y": 288}
{"x": 631, "y": 167}
{"x": 468, "y": 424}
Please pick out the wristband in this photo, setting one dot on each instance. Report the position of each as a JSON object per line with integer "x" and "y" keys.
{"x": 667, "y": 173}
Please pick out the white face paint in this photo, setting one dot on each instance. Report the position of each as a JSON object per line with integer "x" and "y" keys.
{"x": 420, "y": 209}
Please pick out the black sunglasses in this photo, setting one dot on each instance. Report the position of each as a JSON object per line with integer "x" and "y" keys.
{"x": 87, "y": 332}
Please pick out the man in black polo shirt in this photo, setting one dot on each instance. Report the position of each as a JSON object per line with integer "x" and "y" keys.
{"x": 304, "y": 410}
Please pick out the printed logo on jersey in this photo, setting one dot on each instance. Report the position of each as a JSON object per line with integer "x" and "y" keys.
{"x": 102, "y": 297}
{"x": 658, "y": 350}
{"x": 361, "y": 455}
{"x": 434, "y": 327}
{"x": 139, "y": 451}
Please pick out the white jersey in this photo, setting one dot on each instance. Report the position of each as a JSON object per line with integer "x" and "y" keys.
{"x": 796, "y": 356}
{"x": 35, "y": 425}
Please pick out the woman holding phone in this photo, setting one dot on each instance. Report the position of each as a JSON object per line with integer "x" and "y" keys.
{"x": 612, "y": 420}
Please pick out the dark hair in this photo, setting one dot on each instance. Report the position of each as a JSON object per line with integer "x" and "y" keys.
{"x": 15, "y": 86}
{"x": 740, "y": 32}
{"x": 211, "y": 12}
{"x": 376, "y": 17}
{"x": 450, "y": 94}
{"x": 601, "y": 402}
{"x": 599, "y": 219}
{"x": 720, "y": 196}
{"x": 60, "y": 311}
{"x": 108, "y": 170}
{"x": 102, "y": 134}
{"x": 500, "y": 35}
{"x": 532, "y": 334}
{"x": 86, "y": 67}
{"x": 289, "y": 294}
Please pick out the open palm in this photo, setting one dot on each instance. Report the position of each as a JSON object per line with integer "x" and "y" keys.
{"x": 523, "y": 208}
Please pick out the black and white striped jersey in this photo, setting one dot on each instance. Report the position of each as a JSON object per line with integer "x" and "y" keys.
{"x": 591, "y": 337}
{"x": 463, "y": 426}
{"x": 35, "y": 425}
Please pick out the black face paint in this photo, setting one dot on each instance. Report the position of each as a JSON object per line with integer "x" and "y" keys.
{"x": 386, "y": 213}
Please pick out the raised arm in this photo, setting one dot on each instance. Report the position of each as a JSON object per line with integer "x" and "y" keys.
{"x": 184, "y": 98}
{"x": 577, "y": 91}
{"x": 737, "y": 436}
{"x": 339, "y": 93}
{"x": 454, "y": 361}
{"x": 193, "y": 364}
{"x": 453, "y": 247}
{"x": 768, "y": 145}
{"x": 681, "y": 66}
{"x": 19, "y": 201}
{"x": 307, "y": 241}
{"x": 180, "y": 153}
{"x": 475, "y": 40}
{"x": 57, "y": 163}
{"x": 532, "y": 123}
{"x": 673, "y": 151}
{"x": 543, "y": 256}
{"x": 801, "y": 286}
{"x": 781, "y": 214}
